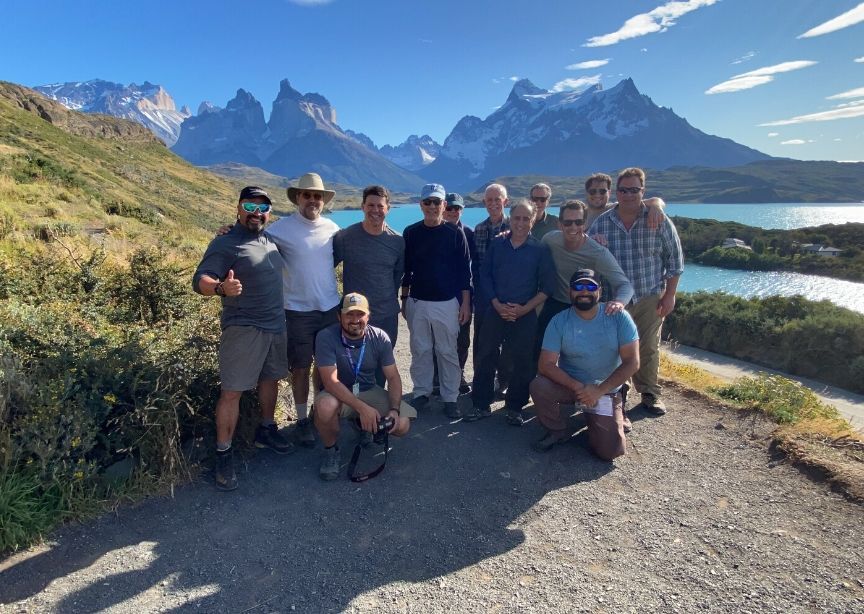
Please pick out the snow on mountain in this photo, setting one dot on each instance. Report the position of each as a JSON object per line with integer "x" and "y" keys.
{"x": 147, "y": 104}
{"x": 415, "y": 153}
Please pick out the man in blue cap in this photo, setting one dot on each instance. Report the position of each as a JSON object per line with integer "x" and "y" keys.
{"x": 437, "y": 274}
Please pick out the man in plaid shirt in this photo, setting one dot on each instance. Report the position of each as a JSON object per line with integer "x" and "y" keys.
{"x": 653, "y": 260}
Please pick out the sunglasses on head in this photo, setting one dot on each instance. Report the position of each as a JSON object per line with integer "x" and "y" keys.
{"x": 431, "y": 202}
{"x": 572, "y": 222}
{"x": 256, "y": 207}
{"x": 312, "y": 195}
{"x": 595, "y": 191}
{"x": 579, "y": 286}
{"x": 629, "y": 190}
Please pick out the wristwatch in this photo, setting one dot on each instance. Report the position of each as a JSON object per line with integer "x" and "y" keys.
{"x": 219, "y": 290}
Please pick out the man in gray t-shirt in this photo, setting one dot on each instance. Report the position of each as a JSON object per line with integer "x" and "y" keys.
{"x": 373, "y": 260}
{"x": 348, "y": 356}
{"x": 245, "y": 269}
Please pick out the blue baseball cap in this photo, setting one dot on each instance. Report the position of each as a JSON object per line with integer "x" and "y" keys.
{"x": 433, "y": 190}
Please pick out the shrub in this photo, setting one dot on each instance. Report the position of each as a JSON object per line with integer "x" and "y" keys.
{"x": 786, "y": 401}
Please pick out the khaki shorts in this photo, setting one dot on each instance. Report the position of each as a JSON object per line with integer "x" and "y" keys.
{"x": 248, "y": 354}
{"x": 378, "y": 398}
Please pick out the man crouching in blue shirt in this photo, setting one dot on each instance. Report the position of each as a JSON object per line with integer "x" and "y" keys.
{"x": 586, "y": 356}
{"x": 244, "y": 268}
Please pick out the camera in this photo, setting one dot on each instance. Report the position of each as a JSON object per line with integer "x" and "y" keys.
{"x": 384, "y": 426}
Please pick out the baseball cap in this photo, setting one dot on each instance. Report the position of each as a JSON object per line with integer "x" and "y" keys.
{"x": 433, "y": 190}
{"x": 583, "y": 275}
{"x": 355, "y": 301}
{"x": 455, "y": 200}
{"x": 251, "y": 191}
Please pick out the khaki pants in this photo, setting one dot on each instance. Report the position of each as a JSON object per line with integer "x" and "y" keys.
{"x": 649, "y": 325}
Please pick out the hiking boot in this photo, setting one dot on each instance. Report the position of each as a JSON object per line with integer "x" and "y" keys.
{"x": 477, "y": 413}
{"x": 420, "y": 403}
{"x": 464, "y": 387}
{"x": 515, "y": 417}
{"x": 270, "y": 437}
{"x": 224, "y": 475}
{"x": 304, "y": 433}
{"x": 330, "y": 462}
{"x": 452, "y": 411}
{"x": 653, "y": 405}
{"x": 549, "y": 441}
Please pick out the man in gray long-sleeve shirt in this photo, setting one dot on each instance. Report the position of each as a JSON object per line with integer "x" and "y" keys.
{"x": 373, "y": 260}
{"x": 245, "y": 269}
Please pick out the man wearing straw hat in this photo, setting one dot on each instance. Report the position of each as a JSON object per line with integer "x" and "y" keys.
{"x": 309, "y": 292}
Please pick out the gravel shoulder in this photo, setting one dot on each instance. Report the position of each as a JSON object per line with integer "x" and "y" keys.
{"x": 698, "y": 515}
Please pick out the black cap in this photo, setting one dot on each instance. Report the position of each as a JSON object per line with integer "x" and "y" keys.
{"x": 583, "y": 275}
{"x": 455, "y": 200}
{"x": 251, "y": 191}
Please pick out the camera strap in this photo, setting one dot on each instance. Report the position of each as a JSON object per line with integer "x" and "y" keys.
{"x": 356, "y": 456}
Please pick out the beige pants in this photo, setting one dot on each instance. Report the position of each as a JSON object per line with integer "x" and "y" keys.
{"x": 649, "y": 325}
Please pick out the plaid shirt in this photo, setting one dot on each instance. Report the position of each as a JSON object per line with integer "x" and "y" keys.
{"x": 484, "y": 232}
{"x": 647, "y": 257}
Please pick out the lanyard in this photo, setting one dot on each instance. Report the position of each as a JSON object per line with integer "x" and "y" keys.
{"x": 355, "y": 369}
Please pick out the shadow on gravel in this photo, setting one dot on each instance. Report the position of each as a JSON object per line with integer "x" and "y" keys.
{"x": 449, "y": 498}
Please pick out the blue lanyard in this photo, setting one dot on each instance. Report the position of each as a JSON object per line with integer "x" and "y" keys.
{"x": 354, "y": 368}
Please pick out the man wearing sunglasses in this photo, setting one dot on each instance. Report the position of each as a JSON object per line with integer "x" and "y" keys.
{"x": 244, "y": 268}
{"x": 453, "y": 206}
{"x": 653, "y": 261}
{"x": 310, "y": 293}
{"x": 588, "y": 354}
{"x": 541, "y": 195}
{"x": 437, "y": 276}
{"x": 598, "y": 189}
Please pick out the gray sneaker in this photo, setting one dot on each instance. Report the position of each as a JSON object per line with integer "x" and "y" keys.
{"x": 304, "y": 433}
{"x": 452, "y": 411}
{"x": 330, "y": 464}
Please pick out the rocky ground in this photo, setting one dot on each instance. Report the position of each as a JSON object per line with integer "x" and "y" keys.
{"x": 698, "y": 516}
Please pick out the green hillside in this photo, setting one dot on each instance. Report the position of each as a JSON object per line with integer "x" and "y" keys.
{"x": 770, "y": 181}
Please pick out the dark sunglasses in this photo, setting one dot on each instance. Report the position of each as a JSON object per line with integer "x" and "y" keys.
{"x": 539, "y": 199}
{"x": 629, "y": 190}
{"x": 595, "y": 191}
{"x": 256, "y": 208}
{"x": 431, "y": 202}
{"x": 572, "y": 222}
{"x": 452, "y": 208}
{"x": 312, "y": 195}
{"x": 579, "y": 286}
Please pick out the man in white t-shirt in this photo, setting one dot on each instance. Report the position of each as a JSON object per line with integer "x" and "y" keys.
{"x": 309, "y": 291}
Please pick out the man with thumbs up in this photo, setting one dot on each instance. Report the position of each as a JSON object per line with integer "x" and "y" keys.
{"x": 244, "y": 268}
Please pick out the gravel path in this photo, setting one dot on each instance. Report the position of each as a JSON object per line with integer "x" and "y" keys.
{"x": 697, "y": 516}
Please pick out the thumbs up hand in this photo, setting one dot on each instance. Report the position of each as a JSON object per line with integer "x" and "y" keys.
{"x": 232, "y": 286}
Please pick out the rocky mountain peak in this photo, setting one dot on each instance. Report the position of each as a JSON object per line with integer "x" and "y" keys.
{"x": 524, "y": 87}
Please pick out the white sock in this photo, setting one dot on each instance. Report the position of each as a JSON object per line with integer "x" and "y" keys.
{"x": 302, "y": 411}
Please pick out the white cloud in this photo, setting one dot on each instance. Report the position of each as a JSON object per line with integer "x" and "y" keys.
{"x": 859, "y": 60}
{"x": 744, "y": 58}
{"x": 760, "y": 76}
{"x": 837, "y": 140}
{"x": 575, "y": 84}
{"x": 858, "y": 92}
{"x": 845, "y": 111}
{"x": 849, "y": 18}
{"x": 773, "y": 134}
{"x": 514, "y": 78}
{"x": 588, "y": 64}
{"x": 656, "y": 20}
{"x": 793, "y": 142}
{"x": 644, "y": 49}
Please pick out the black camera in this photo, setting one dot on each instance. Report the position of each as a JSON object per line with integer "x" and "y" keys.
{"x": 384, "y": 426}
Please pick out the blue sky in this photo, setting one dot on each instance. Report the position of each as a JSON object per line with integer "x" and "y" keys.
{"x": 761, "y": 72}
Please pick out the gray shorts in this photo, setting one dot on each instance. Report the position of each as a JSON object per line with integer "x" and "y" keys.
{"x": 248, "y": 354}
{"x": 302, "y": 326}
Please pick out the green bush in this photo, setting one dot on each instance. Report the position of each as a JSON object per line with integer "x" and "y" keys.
{"x": 142, "y": 213}
{"x": 786, "y": 401}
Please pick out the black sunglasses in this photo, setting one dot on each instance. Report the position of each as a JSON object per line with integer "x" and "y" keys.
{"x": 572, "y": 222}
{"x": 432, "y": 202}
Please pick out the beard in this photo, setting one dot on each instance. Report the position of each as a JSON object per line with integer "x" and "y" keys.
{"x": 584, "y": 303}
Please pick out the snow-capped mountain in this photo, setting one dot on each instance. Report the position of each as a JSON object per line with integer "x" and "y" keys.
{"x": 301, "y": 135}
{"x": 147, "y": 104}
{"x": 575, "y": 133}
{"x": 415, "y": 153}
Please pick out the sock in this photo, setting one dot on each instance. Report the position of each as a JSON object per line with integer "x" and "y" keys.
{"x": 223, "y": 447}
{"x": 302, "y": 411}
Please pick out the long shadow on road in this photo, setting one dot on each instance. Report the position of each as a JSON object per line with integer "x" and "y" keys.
{"x": 448, "y": 499}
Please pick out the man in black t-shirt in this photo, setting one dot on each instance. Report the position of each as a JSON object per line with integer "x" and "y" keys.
{"x": 348, "y": 354}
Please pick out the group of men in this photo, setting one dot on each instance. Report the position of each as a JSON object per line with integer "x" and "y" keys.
{"x": 532, "y": 281}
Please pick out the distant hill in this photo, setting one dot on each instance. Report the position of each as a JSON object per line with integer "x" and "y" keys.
{"x": 767, "y": 181}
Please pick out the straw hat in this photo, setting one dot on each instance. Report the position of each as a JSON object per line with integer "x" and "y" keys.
{"x": 310, "y": 182}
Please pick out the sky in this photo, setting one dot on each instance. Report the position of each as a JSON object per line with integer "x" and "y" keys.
{"x": 783, "y": 76}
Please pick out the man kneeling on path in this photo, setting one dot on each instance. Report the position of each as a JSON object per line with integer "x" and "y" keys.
{"x": 348, "y": 354}
{"x": 245, "y": 269}
{"x": 587, "y": 355}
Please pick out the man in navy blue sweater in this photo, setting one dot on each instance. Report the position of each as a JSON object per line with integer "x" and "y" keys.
{"x": 437, "y": 273}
